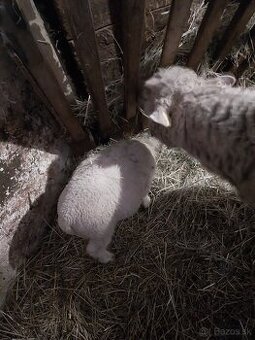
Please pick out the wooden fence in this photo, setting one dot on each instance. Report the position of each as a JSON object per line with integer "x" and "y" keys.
{"x": 25, "y": 35}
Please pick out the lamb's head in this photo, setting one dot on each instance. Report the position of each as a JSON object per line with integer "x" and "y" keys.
{"x": 162, "y": 90}
{"x": 167, "y": 86}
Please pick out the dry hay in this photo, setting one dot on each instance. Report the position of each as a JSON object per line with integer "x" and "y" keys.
{"x": 184, "y": 269}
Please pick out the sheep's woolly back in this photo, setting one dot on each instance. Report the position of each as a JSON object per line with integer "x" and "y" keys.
{"x": 145, "y": 137}
{"x": 167, "y": 81}
{"x": 209, "y": 119}
{"x": 106, "y": 187}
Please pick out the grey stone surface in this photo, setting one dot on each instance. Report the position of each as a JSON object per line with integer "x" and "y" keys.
{"x": 34, "y": 165}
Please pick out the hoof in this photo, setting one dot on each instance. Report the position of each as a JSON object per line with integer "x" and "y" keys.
{"x": 106, "y": 257}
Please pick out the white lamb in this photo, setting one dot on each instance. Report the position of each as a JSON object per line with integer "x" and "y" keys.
{"x": 107, "y": 187}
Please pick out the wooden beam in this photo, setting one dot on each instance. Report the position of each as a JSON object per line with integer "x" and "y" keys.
{"x": 21, "y": 45}
{"x": 243, "y": 66}
{"x": 133, "y": 13}
{"x": 209, "y": 25}
{"x": 178, "y": 17}
{"x": 50, "y": 55}
{"x": 237, "y": 25}
{"x": 79, "y": 17}
{"x": 244, "y": 61}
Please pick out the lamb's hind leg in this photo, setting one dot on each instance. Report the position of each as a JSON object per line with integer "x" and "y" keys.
{"x": 97, "y": 248}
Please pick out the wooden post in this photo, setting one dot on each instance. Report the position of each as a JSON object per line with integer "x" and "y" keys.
{"x": 178, "y": 17}
{"x": 133, "y": 13}
{"x": 244, "y": 62}
{"x": 239, "y": 71}
{"x": 236, "y": 27}
{"x": 48, "y": 51}
{"x": 25, "y": 52}
{"x": 79, "y": 17}
{"x": 209, "y": 25}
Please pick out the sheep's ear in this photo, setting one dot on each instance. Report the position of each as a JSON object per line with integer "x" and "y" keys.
{"x": 228, "y": 79}
{"x": 152, "y": 83}
{"x": 223, "y": 79}
{"x": 161, "y": 118}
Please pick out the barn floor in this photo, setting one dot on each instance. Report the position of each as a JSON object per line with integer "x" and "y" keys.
{"x": 184, "y": 269}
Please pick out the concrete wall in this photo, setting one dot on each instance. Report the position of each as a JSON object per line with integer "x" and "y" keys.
{"x": 34, "y": 165}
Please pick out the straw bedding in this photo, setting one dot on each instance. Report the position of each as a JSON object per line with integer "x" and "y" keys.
{"x": 184, "y": 269}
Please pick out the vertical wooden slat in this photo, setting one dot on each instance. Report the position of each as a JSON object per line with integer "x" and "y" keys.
{"x": 209, "y": 25}
{"x": 178, "y": 17}
{"x": 37, "y": 28}
{"x": 133, "y": 13}
{"x": 26, "y": 52}
{"x": 243, "y": 66}
{"x": 244, "y": 62}
{"x": 236, "y": 27}
{"x": 79, "y": 17}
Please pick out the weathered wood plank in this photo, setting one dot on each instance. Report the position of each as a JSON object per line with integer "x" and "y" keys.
{"x": 244, "y": 62}
{"x": 209, "y": 25}
{"x": 107, "y": 12}
{"x": 79, "y": 17}
{"x": 156, "y": 20}
{"x": 59, "y": 38}
{"x": 178, "y": 17}
{"x": 237, "y": 25}
{"x": 133, "y": 13}
{"x": 26, "y": 52}
{"x": 243, "y": 66}
{"x": 37, "y": 28}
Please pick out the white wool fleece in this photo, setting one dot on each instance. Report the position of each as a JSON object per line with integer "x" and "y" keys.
{"x": 105, "y": 188}
{"x": 207, "y": 118}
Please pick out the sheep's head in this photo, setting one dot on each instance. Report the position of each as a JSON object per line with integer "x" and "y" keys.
{"x": 161, "y": 90}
